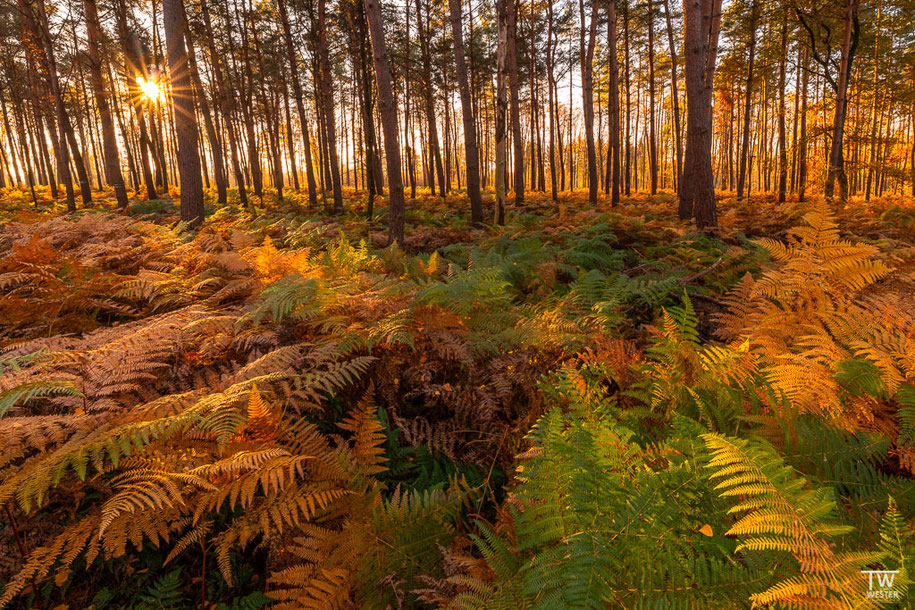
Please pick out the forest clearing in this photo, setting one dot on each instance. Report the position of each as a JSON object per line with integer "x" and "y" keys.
{"x": 481, "y": 304}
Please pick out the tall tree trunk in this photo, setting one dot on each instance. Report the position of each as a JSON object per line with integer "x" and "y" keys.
{"x": 299, "y": 102}
{"x": 802, "y": 144}
{"x": 435, "y": 156}
{"x": 587, "y": 93}
{"x": 745, "y": 145}
{"x": 627, "y": 174}
{"x": 215, "y": 145}
{"x": 471, "y": 155}
{"x": 502, "y": 51}
{"x": 652, "y": 136}
{"x": 613, "y": 106}
{"x": 551, "y": 86}
{"x": 330, "y": 122}
{"x": 674, "y": 88}
{"x": 836, "y": 168}
{"x": 35, "y": 33}
{"x": 246, "y": 85}
{"x": 185, "y": 118}
{"x": 134, "y": 69}
{"x": 839, "y": 85}
{"x": 113, "y": 174}
{"x": 66, "y": 128}
{"x": 782, "y": 131}
{"x": 702, "y": 22}
{"x": 515, "y": 97}
{"x": 388, "y": 109}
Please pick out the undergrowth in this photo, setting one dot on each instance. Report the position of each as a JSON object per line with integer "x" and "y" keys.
{"x": 587, "y": 407}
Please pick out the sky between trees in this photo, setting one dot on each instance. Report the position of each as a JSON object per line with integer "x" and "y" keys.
{"x": 788, "y": 97}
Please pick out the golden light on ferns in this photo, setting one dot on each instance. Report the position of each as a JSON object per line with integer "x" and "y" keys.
{"x": 150, "y": 89}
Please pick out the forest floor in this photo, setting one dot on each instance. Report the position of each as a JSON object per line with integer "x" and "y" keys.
{"x": 422, "y": 370}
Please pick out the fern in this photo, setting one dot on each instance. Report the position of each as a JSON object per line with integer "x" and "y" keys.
{"x": 36, "y": 389}
{"x": 781, "y": 515}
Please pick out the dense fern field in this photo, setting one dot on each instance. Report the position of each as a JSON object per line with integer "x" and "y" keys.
{"x": 587, "y": 407}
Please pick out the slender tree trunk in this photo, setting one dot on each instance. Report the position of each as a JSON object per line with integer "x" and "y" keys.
{"x": 471, "y": 155}
{"x": 63, "y": 120}
{"x": 501, "y": 108}
{"x": 34, "y": 34}
{"x": 246, "y": 85}
{"x": 299, "y": 102}
{"x": 132, "y": 71}
{"x": 551, "y": 86}
{"x": 185, "y": 119}
{"x": 388, "y": 109}
{"x": 628, "y": 175}
{"x": 836, "y": 167}
{"x": 745, "y": 146}
{"x": 782, "y": 131}
{"x": 330, "y": 121}
{"x": 515, "y": 98}
{"x": 587, "y": 93}
{"x": 652, "y": 136}
{"x": 435, "y": 154}
{"x": 674, "y": 88}
{"x": 613, "y": 106}
{"x": 219, "y": 169}
{"x": 795, "y": 122}
{"x": 802, "y": 143}
{"x": 113, "y": 174}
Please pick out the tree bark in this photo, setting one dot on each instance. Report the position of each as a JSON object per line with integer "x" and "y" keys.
{"x": 512, "y": 62}
{"x": 702, "y": 21}
{"x": 388, "y": 109}
{"x": 587, "y": 93}
{"x": 782, "y": 131}
{"x": 113, "y": 174}
{"x": 435, "y": 153}
{"x": 501, "y": 108}
{"x": 299, "y": 102}
{"x": 327, "y": 82}
{"x": 836, "y": 168}
{"x": 551, "y": 86}
{"x": 745, "y": 143}
{"x": 185, "y": 119}
{"x": 674, "y": 91}
{"x": 471, "y": 155}
{"x": 652, "y": 136}
{"x": 613, "y": 106}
